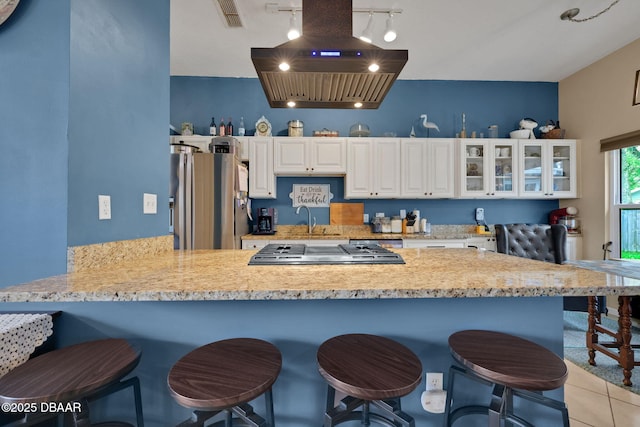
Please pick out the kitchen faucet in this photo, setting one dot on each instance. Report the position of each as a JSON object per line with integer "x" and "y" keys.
{"x": 308, "y": 215}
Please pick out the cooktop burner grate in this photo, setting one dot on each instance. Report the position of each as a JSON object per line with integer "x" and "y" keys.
{"x": 295, "y": 254}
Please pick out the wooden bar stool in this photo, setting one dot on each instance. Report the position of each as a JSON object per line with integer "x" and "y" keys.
{"x": 513, "y": 366}
{"x": 73, "y": 376}
{"x": 370, "y": 370}
{"x": 222, "y": 377}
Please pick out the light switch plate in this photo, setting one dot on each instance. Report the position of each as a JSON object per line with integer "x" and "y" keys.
{"x": 104, "y": 207}
{"x": 150, "y": 203}
{"x": 479, "y": 214}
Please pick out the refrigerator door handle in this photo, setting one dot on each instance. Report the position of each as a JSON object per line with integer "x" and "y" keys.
{"x": 189, "y": 202}
{"x": 181, "y": 201}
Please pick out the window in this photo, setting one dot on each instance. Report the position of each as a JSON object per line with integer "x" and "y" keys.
{"x": 625, "y": 212}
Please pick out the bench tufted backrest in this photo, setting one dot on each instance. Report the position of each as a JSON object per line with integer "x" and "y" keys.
{"x": 541, "y": 242}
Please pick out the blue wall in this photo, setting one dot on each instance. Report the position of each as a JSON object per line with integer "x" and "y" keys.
{"x": 119, "y": 110}
{"x": 439, "y": 211}
{"x": 34, "y": 112}
{"x": 166, "y": 331}
{"x": 84, "y": 103}
{"x": 196, "y": 99}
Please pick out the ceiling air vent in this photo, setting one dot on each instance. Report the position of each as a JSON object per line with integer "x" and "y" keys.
{"x": 230, "y": 13}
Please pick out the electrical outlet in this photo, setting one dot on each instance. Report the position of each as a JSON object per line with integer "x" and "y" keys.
{"x": 365, "y": 218}
{"x": 434, "y": 381}
{"x": 104, "y": 207}
{"x": 149, "y": 203}
{"x": 479, "y": 214}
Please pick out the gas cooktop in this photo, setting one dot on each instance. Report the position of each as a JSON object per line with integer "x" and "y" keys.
{"x": 275, "y": 254}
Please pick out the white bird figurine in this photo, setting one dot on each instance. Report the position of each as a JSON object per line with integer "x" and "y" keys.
{"x": 428, "y": 125}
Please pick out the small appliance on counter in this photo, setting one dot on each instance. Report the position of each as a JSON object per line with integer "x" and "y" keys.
{"x": 567, "y": 217}
{"x": 267, "y": 221}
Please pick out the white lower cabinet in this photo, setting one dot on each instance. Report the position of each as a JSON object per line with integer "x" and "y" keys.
{"x": 488, "y": 243}
{"x": 261, "y": 243}
{"x": 254, "y": 244}
{"x": 433, "y": 243}
{"x": 574, "y": 247}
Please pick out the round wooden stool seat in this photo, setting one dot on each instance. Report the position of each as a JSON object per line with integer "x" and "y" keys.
{"x": 72, "y": 374}
{"x": 509, "y": 360}
{"x": 369, "y": 367}
{"x": 514, "y": 366}
{"x": 224, "y": 374}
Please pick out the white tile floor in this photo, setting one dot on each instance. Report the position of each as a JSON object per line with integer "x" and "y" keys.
{"x": 593, "y": 402}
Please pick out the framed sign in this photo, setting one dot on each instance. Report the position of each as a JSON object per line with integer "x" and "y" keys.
{"x": 311, "y": 195}
{"x": 636, "y": 90}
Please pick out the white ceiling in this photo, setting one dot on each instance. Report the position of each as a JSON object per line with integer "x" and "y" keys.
{"x": 512, "y": 40}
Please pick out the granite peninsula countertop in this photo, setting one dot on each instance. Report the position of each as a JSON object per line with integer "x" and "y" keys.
{"x": 226, "y": 275}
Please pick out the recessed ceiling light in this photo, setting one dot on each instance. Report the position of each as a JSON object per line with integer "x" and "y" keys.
{"x": 358, "y": 104}
{"x": 284, "y": 66}
{"x": 374, "y": 67}
{"x": 291, "y": 104}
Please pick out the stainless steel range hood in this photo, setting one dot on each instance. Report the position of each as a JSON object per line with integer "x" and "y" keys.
{"x": 328, "y": 66}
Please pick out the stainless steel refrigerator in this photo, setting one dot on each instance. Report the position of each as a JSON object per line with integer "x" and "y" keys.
{"x": 208, "y": 196}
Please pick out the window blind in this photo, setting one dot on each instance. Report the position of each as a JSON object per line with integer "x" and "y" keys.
{"x": 630, "y": 139}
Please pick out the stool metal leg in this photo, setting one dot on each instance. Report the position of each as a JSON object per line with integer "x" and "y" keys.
{"x": 501, "y": 405}
{"x": 391, "y": 413}
{"x": 496, "y": 406}
{"x": 365, "y": 414}
{"x": 268, "y": 399}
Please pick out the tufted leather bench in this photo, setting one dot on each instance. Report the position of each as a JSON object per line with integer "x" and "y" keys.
{"x": 542, "y": 242}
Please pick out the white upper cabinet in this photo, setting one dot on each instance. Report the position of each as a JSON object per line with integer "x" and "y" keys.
{"x": 488, "y": 168}
{"x": 244, "y": 147}
{"x": 548, "y": 169}
{"x": 310, "y": 156}
{"x": 373, "y": 168}
{"x": 427, "y": 168}
{"x": 203, "y": 141}
{"x": 262, "y": 180}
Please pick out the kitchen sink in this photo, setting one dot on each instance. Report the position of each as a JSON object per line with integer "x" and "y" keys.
{"x": 283, "y": 254}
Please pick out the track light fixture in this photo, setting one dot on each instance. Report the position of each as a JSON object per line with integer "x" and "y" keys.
{"x": 293, "y": 33}
{"x": 390, "y": 33}
{"x": 367, "y": 34}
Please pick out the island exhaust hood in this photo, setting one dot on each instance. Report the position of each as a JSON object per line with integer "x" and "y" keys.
{"x": 329, "y": 68}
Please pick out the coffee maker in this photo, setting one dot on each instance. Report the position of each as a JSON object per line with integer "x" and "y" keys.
{"x": 267, "y": 221}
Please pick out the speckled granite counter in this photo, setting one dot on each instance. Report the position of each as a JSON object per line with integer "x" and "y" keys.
{"x": 225, "y": 275}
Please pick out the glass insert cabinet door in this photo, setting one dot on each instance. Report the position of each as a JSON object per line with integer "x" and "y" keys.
{"x": 503, "y": 177}
{"x": 475, "y": 167}
{"x": 562, "y": 173}
{"x": 489, "y": 168}
{"x": 532, "y": 171}
{"x": 548, "y": 168}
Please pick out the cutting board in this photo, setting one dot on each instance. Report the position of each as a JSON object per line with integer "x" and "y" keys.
{"x": 346, "y": 213}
